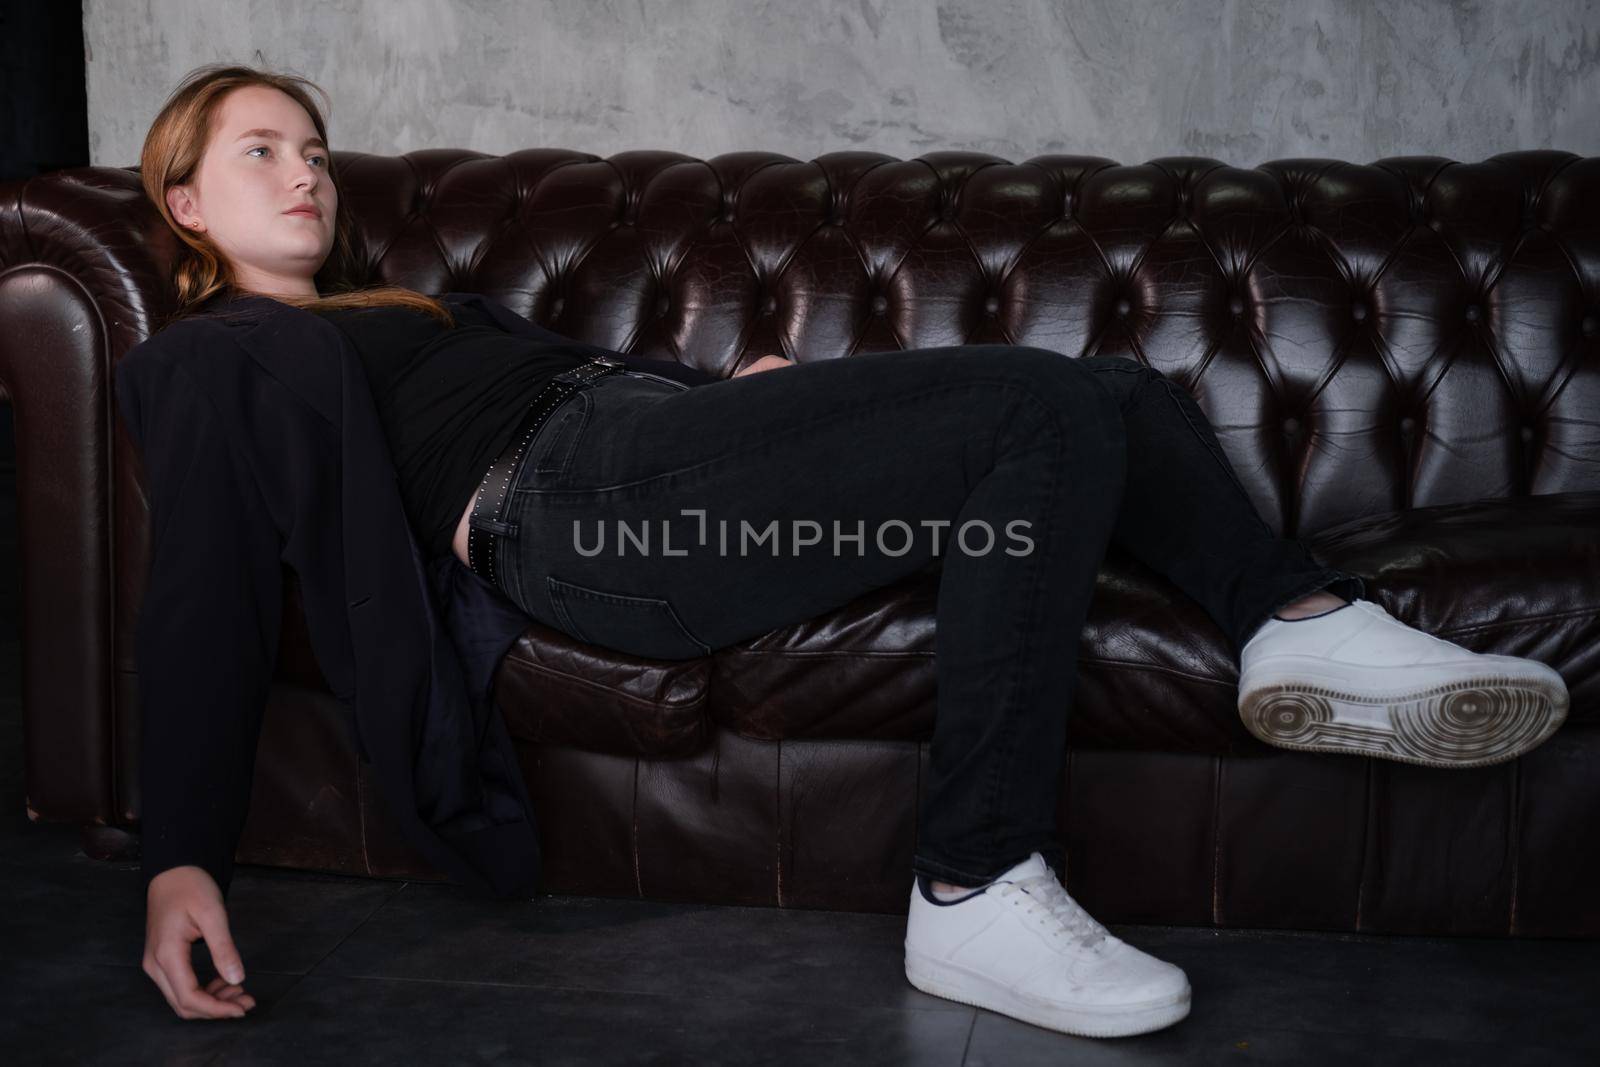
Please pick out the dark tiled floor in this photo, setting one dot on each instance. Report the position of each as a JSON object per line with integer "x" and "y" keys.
{"x": 353, "y": 971}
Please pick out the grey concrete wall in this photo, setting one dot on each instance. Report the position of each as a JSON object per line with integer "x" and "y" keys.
{"x": 1239, "y": 80}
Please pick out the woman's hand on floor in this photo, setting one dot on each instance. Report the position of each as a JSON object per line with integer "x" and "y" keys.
{"x": 764, "y": 363}
{"x": 182, "y": 905}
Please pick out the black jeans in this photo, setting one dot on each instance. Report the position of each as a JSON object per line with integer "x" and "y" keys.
{"x": 667, "y": 521}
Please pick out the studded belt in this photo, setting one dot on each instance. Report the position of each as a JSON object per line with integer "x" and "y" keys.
{"x": 488, "y": 511}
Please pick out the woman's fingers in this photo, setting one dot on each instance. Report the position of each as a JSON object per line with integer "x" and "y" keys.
{"x": 159, "y": 977}
{"x": 173, "y": 959}
{"x": 187, "y": 1007}
{"x": 223, "y": 989}
{"x": 212, "y": 918}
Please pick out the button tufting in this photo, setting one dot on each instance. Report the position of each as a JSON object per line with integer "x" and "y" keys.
{"x": 1123, "y": 307}
{"x": 1236, "y": 305}
{"x": 1291, "y": 425}
{"x": 1473, "y": 313}
{"x": 662, "y": 303}
{"x": 992, "y": 304}
{"x": 1527, "y": 433}
{"x": 879, "y": 303}
{"x": 1407, "y": 424}
{"x": 1590, "y": 325}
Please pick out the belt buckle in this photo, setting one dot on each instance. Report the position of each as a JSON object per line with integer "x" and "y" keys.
{"x": 598, "y": 367}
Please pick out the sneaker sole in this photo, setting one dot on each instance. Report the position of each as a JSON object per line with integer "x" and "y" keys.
{"x": 1473, "y": 722}
{"x": 967, "y": 987}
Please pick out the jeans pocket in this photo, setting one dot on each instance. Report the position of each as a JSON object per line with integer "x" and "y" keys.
{"x": 557, "y": 440}
{"x": 639, "y": 625}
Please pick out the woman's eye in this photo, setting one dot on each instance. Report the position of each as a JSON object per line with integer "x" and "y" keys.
{"x": 264, "y": 148}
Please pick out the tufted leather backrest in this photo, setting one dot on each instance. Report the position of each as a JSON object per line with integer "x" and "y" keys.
{"x": 1364, "y": 339}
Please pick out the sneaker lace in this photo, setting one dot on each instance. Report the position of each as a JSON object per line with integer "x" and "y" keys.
{"x": 1047, "y": 898}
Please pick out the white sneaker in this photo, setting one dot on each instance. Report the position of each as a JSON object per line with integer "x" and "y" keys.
{"x": 1357, "y": 680}
{"x": 1024, "y": 948}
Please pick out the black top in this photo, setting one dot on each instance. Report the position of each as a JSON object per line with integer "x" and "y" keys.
{"x": 449, "y": 400}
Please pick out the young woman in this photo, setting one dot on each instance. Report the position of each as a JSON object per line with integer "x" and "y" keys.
{"x": 770, "y": 498}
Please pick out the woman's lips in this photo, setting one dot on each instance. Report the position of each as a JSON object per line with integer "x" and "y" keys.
{"x": 305, "y": 212}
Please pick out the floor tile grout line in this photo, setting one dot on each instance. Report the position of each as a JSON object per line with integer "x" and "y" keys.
{"x": 292, "y": 986}
{"x": 478, "y": 983}
{"x": 972, "y": 1028}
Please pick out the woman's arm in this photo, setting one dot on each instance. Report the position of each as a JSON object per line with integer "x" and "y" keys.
{"x": 207, "y": 633}
{"x": 205, "y": 648}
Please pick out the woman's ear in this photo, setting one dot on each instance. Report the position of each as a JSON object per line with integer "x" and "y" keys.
{"x": 181, "y": 204}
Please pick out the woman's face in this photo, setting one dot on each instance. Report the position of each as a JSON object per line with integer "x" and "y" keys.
{"x": 249, "y": 179}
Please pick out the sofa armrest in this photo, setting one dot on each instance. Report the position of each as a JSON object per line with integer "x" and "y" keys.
{"x": 83, "y": 267}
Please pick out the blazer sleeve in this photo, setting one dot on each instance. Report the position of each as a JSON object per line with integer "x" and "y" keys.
{"x": 207, "y": 631}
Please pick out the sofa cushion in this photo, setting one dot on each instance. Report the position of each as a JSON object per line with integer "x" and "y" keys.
{"x": 554, "y": 689}
{"x": 1153, "y": 670}
{"x": 561, "y": 691}
{"x": 862, "y": 671}
{"x": 1516, "y": 577}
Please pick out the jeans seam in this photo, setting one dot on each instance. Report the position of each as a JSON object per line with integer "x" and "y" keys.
{"x": 683, "y": 627}
{"x": 991, "y": 785}
{"x": 1219, "y": 456}
{"x": 1004, "y": 758}
{"x": 945, "y": 873}
{"x": 559, "y": 604}
{"x": 948, "y": 873}
{"x": 1139, "y": 369}
{"x": 1006, "y": 384}
{"x": 581, "y": 416}
{"x": 635, "y": 600}
{"x": 1172, "y": 393}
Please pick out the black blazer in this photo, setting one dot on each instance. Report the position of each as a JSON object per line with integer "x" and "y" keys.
{"x": 262, "y": 446}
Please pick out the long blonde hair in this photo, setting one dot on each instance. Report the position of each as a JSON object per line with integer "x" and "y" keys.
{"x": 171, "y": 155}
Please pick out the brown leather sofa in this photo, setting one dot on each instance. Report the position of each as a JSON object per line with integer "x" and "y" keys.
{"x": 1402, "y": 360}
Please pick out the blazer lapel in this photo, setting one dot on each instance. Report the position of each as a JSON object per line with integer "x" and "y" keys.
{"x": 298, "y": 348}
